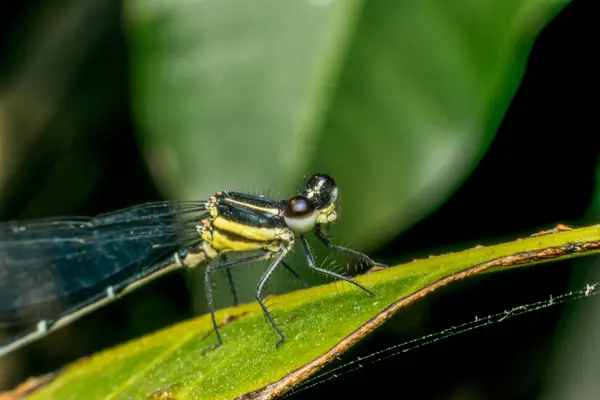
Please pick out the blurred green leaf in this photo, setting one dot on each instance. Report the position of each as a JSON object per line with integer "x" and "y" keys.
{"x": 397, "y": 100}
{"x": 321, "y": 323}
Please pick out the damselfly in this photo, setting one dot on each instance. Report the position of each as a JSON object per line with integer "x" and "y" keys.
{"x": 53, "y": 271}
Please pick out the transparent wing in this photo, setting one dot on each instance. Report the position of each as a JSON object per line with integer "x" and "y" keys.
{"x": 49, "y": 267}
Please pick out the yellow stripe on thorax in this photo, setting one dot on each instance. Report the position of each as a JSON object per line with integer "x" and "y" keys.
{"x": 274, "y": 211}
{"x": 224, "y": 243}
{"x": 248, "y": 232}
{"x": 217, "y": 241}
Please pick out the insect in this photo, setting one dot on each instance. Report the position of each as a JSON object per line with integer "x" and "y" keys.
{"x": 53, "y": 271}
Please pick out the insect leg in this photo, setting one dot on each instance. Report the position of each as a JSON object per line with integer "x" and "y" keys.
{"x": 208, "y": 288}
{"x": 259, "y": 289}
{"x": 298, "y": 277}
{"x": 319, "y": 233}
{"x": 230, "y": 281}
{"x": 311, "y": 264}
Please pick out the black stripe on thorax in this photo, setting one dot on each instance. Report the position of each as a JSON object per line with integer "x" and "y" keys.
{"x": 250, "y": 210}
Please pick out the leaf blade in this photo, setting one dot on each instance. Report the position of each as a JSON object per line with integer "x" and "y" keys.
{"x": 321, "y": 323}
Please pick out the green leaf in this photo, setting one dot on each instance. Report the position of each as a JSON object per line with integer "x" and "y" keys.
{"x": 320, "y": 323}
{"x": 397, "y": 100}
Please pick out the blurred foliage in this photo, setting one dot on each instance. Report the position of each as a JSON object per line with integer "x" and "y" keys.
{"x": 396, "y": 100}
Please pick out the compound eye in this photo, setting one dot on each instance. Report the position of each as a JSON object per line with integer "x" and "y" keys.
{"x": 300, "y": 214}
{"x": 333, "y": 194}
{"x": 321, "y": 189}
{"x": 321, "y": 180}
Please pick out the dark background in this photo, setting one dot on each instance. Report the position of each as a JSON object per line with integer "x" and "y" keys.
{"x": 539, "y": 171}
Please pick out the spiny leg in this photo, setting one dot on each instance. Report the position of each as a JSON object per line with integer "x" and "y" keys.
{"x": 230, "y": 281}
{"x": 259, "y": 289}
{"x": 311, "y": 264}
{"x": 208, "y": 288}
{"x": 319, "y": 233}
{"x": 232, "y": 286}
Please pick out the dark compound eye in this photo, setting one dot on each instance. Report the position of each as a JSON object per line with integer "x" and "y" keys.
{"x": 298, "y": 206}
{"x": 320, "y": 180}
{"x": 300, "y": 214}
{"x": 321, "y": 189}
